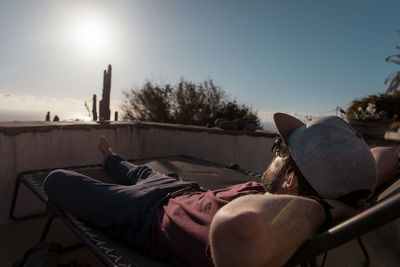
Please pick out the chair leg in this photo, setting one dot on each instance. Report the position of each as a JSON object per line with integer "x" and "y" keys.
{"x": 14, "y": 203}
{"x": 14, "y": 198}
{"x": 47, "y": 227}
{"x": 365, "y": 251}
{"x": 74, "y": 247}
{"x": 51, "y": 216}
{"x": 313, "y": 262}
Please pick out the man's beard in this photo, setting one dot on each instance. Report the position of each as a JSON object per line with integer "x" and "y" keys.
{"x": 271, "y": 179}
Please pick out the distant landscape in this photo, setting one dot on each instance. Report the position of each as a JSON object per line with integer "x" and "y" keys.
{"x": 19, "y": 115}
{"x": 8, "y": 115}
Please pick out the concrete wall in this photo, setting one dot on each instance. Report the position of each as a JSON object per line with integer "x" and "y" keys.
{"x": 42, "y": 145}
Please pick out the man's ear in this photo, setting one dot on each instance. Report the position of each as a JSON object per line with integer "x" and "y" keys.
{"x": 291, "y": 182}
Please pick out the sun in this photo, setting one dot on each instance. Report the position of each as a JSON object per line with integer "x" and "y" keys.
{"x": 90, "y": 35}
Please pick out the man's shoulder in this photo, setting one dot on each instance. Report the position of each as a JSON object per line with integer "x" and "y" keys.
{"x": 250, "y": 185}
{"x": 237, "y": 190}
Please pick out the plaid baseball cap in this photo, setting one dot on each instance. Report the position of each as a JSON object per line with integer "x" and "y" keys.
{"x": 330, "y": 154}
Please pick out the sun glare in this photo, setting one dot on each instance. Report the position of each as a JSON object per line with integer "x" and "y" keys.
{"x": 90, "y": 35}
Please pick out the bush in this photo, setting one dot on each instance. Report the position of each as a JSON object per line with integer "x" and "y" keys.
{"x": 184, "y": 103}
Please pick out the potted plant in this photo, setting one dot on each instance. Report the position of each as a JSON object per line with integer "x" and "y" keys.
{"x": 372, "y": 115}
{"x": 394, "y": 126}
{"x": 365, "y": 118}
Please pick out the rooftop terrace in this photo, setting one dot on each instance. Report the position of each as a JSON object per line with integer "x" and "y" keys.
{"x": 43, "y": 145}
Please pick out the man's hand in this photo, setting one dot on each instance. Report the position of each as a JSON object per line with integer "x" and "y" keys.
{"x": 341, "y": 211}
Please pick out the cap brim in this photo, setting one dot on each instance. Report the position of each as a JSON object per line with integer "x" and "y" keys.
{"x": 286, "y": 124}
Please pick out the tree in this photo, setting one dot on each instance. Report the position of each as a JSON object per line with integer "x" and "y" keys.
{"x": 150, "y": 103}
{"x": 197, "y": 104}
{"x": 232, "y": 110}
{"x": 393, "y": 79}
{"x": 185, "y": 103}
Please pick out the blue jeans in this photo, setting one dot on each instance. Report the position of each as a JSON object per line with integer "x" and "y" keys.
{"x": 124, "y": 209}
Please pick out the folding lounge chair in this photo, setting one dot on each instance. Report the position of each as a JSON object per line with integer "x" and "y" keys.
{"x": 210, "y": 175}
{"x": 110, "y": 251}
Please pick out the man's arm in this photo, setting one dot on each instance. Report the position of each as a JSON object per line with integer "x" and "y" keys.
{"x": 263, "y": 230}
{"x": 386, "y": 159}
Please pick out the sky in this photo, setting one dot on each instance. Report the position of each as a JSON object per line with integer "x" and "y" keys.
{"x": 297, "y": 56}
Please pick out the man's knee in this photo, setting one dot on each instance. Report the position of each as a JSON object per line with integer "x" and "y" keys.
{"x": 54, "y": 181}
{"x": 140, "y": 172}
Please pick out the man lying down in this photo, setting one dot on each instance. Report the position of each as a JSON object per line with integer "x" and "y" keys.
{"x": 320, "y": 172}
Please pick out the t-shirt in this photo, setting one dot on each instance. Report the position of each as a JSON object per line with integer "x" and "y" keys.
{"x": 180, "y": 228}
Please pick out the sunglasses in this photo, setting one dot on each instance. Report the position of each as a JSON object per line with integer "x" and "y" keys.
{"x": 277, "y": 148}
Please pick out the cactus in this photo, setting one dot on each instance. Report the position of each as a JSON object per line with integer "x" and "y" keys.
{"x": 94, "y": 108}
{"x": 104, "y": 108}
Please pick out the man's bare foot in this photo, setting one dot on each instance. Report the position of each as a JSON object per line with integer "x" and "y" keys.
{"x": 104, "y": 147}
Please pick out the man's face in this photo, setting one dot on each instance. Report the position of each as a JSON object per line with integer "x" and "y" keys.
{"x": 274, "y": 175}
{"x": 277, "y": 178}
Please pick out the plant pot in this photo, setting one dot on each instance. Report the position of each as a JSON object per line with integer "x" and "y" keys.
{"x": 370, "y": 128}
